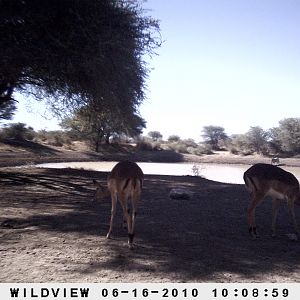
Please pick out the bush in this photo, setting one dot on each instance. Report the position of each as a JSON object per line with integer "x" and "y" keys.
{"x": 173, "y": 138}
{"x": 189, "y": 147}
{"x": 17, "y": 131}
{"x": 190, "y": 143}
{"x": 147, "y": 146}
{"x": 54, "y": 138}
{"x": 203, "y": 149}
{"x": 178, "y": 147}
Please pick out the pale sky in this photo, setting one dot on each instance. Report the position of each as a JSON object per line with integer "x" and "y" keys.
{"x": 229, "y": 63}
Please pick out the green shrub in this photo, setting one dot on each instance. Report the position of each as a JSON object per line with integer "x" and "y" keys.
{"x": 203, "y": 149}
{"x": 144, "y": 146}
{"x": 173, "y": 138}
{"x": 178, "y": 147}
{"x": 17, "y": 131}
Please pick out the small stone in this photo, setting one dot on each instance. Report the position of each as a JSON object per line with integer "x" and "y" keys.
{"x": 180, "y": 193}
{"x": 292, "y": 236}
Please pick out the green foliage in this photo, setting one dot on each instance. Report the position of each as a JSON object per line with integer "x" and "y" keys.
{"x": 173, "y": 138}
{"x": 17, "y": 131}
{"x": 202, "y": 149}
{"x": 96, "y": 124}
{"x": 57, "y": 138}
{"x": 188, "y": 146}
{"x": 253, "y": 141}
{"x": 239, "y": 145}
{"x": 190, "y": 143}
{"x": 178, "y": 147}
{"x": 145, "y": 145}
{"x": 257, "y": 140}
{"x": 71, "y": 52}
{"x": 214, "y": 135}
{"x": 155, "y": 135}
{"x": 7, "y": 108}
{"x": 286, "y": 137}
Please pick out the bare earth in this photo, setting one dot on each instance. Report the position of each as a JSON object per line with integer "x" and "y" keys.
{"x": 51, "y": 231}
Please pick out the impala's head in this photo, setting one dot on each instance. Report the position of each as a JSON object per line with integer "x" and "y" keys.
{"x": 101, "y": 191}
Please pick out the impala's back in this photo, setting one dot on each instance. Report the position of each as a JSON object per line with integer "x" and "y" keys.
{"x": 126, "y": 177}
{"x": 271, "y": 180}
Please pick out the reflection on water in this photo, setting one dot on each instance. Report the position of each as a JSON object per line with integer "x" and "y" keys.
{"x": 216, "y": 172}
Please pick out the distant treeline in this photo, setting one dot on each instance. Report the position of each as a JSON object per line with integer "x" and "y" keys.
{"x": 283, "y": 140}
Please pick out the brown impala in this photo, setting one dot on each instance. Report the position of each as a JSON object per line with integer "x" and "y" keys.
{"x": 125, "y": 181}
{"x": 267, "y": 180}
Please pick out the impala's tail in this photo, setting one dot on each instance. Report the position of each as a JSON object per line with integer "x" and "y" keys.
{"x": 133, "y": 183}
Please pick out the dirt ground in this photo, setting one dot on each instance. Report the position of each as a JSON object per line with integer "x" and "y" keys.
{"x": 52, "y": 231}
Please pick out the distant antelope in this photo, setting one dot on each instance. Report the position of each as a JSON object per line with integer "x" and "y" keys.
{"x": 267, "y": 180}
{"x": 275, "y": 161}
{"x": 125, "y": 181}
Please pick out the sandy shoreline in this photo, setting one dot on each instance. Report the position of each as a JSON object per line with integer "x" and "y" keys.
{"x": 28, "y": 153}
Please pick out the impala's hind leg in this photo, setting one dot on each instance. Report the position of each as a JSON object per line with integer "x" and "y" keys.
{"x": 113, "y": 213}
{"x": 256, "y": 199}
{"x": 275, "y": 207}
{"x": 127, "y": 216}
{"x": 135, "y": 199}
{"x": 293, "y": 217}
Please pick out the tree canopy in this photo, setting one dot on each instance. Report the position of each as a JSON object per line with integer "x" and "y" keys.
{"x": 72, "y": 52}
{"x": 155, "y": 135}
{"x": 100, "y": 124}
{"x": 286, "y": 137}
{"x": 213, "y": 135}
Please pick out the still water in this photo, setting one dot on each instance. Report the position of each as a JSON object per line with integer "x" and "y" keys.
{"x": 217, "y": 172}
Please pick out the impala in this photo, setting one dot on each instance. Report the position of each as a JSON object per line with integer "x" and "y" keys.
{"x": 275, "y": 161}
{"x": 267, "y": 180}
{"x": 125, "y": 181}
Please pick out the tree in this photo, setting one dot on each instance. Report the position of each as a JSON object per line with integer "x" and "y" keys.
{"x": 214, "y": 135}
{"x": 274, "y": 140}
{"x": 98, "y": 125}
{"x": 17, "y": 131}
{"x": 256, "y": 139}
{"x": 7, "y": 108}
{"x": 72, "y": 51}
{"x": 173, "y": 138}
{"x": 286, "y": 137}
{"x": 239, "y": 144}
{"x": 155, "y": 135}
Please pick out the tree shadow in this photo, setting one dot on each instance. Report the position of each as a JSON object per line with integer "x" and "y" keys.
{"x": 30, "y": 146}
{"x": 201, "y": 239}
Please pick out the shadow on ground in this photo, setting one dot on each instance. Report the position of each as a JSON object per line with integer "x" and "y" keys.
{"x": 201, "y": 239}
{"x": 30, "y": 146}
